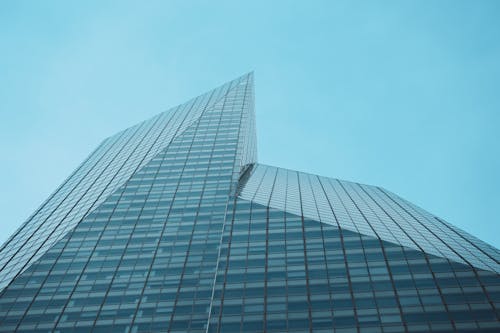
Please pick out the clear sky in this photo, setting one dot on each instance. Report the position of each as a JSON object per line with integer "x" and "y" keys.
{"x": 400, "y": 94}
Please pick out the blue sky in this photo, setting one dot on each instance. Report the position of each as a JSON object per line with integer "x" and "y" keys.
{"x": 400, "y": 94}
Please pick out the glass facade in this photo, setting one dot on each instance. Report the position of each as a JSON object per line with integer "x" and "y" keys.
{"x": 173, "y": 226}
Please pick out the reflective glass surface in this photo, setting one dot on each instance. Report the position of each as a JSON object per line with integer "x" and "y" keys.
{"x": 369, "y": 210}
{"x": 173, "y": 226}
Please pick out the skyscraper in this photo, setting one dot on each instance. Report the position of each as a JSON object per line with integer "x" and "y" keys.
{"x": 172, "y": 226}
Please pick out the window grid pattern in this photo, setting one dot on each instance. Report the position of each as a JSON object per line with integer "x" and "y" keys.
{"x": 472, "y": 244}
{"x": 116, "y": 159}
{"x": 279, "y": 272}
{"x": 145, "y": 259}
{"x": 382, "y": 213}
{"x": 172, "y": 226}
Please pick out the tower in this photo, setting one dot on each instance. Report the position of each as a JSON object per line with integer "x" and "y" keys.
{"x": 172, "y": 226}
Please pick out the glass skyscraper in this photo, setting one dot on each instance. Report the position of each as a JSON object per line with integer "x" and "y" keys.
{"x": 172, "y": 226}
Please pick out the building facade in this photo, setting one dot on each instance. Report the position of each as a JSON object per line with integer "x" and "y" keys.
{"x": 172, "y": 226}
